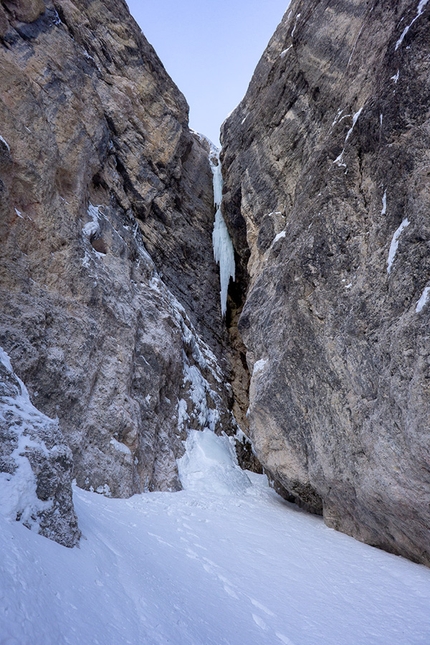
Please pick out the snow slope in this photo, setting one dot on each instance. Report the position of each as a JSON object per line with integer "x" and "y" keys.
{"x": 210, "y": 565}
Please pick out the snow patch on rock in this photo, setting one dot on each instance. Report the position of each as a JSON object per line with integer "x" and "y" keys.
{"x": 420, "y": 10}
{"x": 423, "y": 300}
{"x": 92, "y": 228}
{"x": 395, "y": 243}
{"x": 339, "y": 159}
{"x": 259, "y": 366}
{"x": 35, "y": 464}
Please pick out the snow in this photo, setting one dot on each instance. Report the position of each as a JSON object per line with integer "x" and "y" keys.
{"x": 209, "y": 465}
{"x": 395, "y": 78}
{"x": 337, "y": 117}
{"x": 200, "y": 392}
{"x": 224, "y": 562}
{"x": 395, "y": 243}
{"x": 92, "y": 228}
{"x": 420, "y": 10}
{"x": 17, "y": 212}
{"x": 339, "y": 159}
{"x": 423, "y": 300}
{"x": 18, "y": 498}
{"x": 120, "y": 447}
{"x": 222, "y": 244}
{"x": 295, "y": 24}
{"x": 5, "y": 143}
{"x": 259, "y": 366}
{"x": 279, "y": 236}
{"x": 384, "y": 203}
{"x": 284, "y": 52}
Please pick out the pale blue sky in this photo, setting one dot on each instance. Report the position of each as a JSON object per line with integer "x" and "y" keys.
{"x": 210, "y": 49}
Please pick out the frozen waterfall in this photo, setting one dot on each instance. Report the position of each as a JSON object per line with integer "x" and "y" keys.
{"x": 222, "y": 244}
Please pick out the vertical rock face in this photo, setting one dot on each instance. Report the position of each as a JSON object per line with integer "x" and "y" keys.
{"x": 327, "y": 197}
{"x": 108, "y": 289}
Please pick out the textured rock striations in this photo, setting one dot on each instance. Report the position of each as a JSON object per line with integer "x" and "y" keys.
{"x": 327, "y": 197}
{"x": 109, "y": 292}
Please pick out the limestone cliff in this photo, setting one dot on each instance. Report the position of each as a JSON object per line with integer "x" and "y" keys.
{"x": 327, "y": 197}
{"x": 109, "y": 292}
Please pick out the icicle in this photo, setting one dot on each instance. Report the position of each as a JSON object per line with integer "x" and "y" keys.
{"x": 222, "y": 244}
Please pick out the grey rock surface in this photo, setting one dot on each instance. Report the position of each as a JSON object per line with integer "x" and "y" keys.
{"x": 36, "y": 464}
{"x": 108, "y": 288}
{"x": 326, "y": 166}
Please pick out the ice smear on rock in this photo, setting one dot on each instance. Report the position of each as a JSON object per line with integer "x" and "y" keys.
{"x": 210, "y": 465}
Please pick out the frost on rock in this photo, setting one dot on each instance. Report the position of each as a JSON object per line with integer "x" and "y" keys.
{"x": 35, "y": 464}
{"x": 423, "y": 300}
{"x": 222, "y": 244}
{"x": 395, "y": 243}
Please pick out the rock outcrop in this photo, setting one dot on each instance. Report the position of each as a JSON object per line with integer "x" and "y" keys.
{"x": 108, "y": 287}
{"x": 326, "y": 167}
{"x": 35, "y": 464}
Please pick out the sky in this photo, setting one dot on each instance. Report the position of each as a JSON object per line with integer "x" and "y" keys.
{"x": 210, "y": 49}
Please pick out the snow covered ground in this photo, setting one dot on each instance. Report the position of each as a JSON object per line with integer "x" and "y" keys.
{"x": 225, "y": 561}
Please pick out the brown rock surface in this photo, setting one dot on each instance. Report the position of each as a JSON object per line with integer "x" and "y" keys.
{"x": 25, "y": 10}
{"x": 324, "y": 159}
{"x": 98, "y": 167}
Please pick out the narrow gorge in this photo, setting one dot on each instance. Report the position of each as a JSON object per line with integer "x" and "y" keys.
{"x": 304, "y": 337}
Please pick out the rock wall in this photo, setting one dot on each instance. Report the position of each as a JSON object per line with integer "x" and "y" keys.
{"x": 109, "y": 294}
{"x": 35, "y": 464}
{"x": 326, "y": 167}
